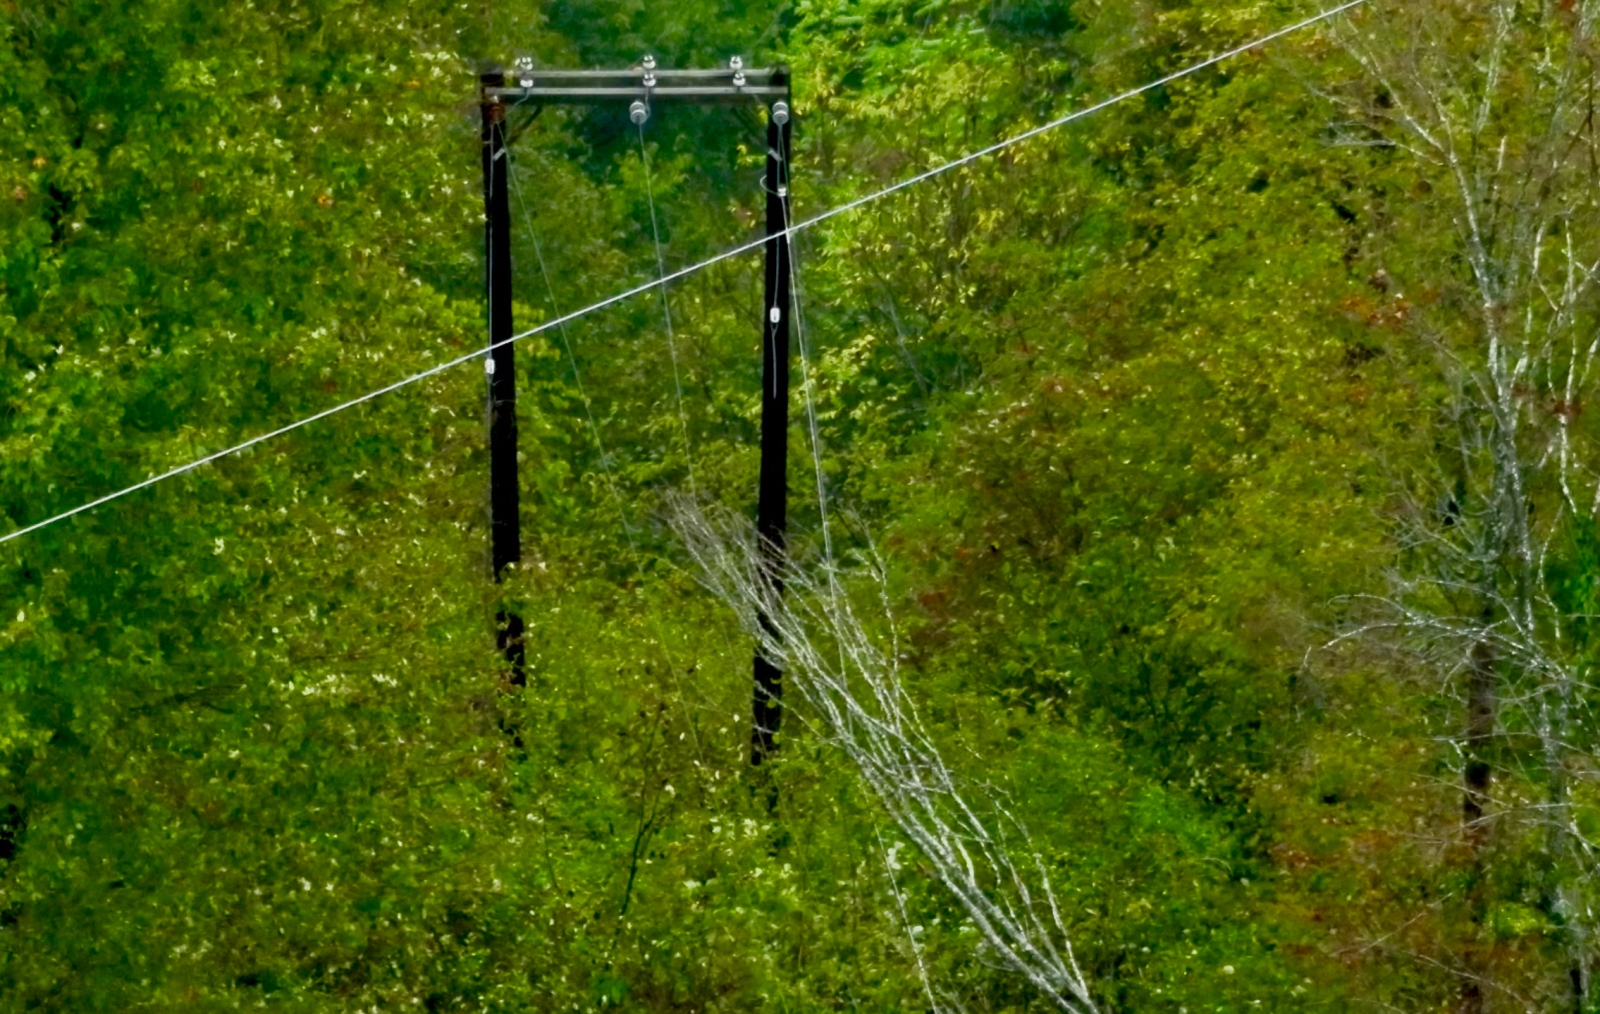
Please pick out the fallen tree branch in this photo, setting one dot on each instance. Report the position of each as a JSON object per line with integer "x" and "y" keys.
{"x": 813, "y": 634}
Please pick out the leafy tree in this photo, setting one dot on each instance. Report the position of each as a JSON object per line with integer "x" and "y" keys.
{"x": 1143, "y": 413}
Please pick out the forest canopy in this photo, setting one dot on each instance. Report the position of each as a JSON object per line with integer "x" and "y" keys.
{"x": 1197, "y": 501}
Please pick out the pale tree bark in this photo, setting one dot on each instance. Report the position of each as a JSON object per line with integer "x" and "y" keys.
{"x": 850, "y": 681}
{"x": 1493, "y": 104}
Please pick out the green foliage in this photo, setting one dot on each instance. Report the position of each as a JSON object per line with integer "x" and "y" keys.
{"x": 1122, "y": 406}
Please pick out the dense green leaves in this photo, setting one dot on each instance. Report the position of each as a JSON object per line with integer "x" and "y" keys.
{"x": 1128, "y": 410}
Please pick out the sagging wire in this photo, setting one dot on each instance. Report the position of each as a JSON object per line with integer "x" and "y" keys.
{"x": 661, "y": 275}
{"x": 566, "y": 344}
{"x": 797, "y": 295}
{"x": 600, "y": 447}
{"x": 889, "y": 866}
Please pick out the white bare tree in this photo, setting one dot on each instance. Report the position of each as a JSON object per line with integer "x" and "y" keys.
{"x": 1491, "y": 108}
{"x": 851, "y": 683}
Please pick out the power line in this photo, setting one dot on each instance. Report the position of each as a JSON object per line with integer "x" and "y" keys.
{"x": 664, "y": 279}
{"x": 605, "y": 458}
{"x": 808, "y": 389}
{"x": 666, "y": 305}
{"x": 566, "y": 342}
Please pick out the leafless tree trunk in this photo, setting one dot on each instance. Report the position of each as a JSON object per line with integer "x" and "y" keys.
{"x": 1494, "y": 105}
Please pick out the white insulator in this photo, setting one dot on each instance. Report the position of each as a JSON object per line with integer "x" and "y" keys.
{"x": 780, "y": 113}
{"x": 648, "y": 63}
{"x": 638, "y": 112}
{"x": 736, "y": 63}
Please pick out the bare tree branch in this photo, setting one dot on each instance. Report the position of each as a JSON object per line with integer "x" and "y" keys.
{"x": 814, "y": 634}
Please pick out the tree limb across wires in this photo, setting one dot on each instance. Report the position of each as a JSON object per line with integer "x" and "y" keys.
{"x": 813, "y": 633}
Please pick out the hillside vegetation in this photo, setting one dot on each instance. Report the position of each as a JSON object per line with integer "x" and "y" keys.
{"x": 1223, "y": 455}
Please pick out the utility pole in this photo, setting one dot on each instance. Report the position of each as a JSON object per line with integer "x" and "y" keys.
{"x": 772, "y": 506}
{"x": 505, "y": 527}
{"x": 642, "y": 87}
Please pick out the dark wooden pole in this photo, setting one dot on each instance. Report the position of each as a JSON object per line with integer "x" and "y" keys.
{"x": 505, "y": 528}
{"x": 773, "y": 502}
{"x": 642, "y": 84}
{"x": 1477, "y": 782}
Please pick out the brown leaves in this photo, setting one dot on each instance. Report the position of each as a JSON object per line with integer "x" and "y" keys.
{"x": 1384, "y": 313}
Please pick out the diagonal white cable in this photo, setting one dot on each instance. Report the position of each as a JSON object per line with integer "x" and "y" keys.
{"x": 742, "y": 248}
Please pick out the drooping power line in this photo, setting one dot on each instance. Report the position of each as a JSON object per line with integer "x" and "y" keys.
{"x": 666, "y": 305}
{"x": 664, "y": 279}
